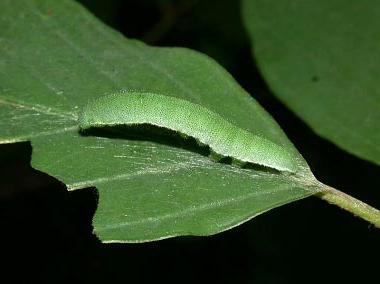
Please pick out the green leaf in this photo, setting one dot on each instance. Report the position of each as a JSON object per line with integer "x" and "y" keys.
{"x": 150, "y": 191}
{"x": 321, "y": 58}
{"x": 55, "y": 57}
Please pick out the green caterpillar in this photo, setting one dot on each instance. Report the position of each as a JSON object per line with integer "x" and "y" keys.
{"x": 209, "y": 128}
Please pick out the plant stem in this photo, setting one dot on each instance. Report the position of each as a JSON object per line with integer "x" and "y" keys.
{"x": 350, "y": 204}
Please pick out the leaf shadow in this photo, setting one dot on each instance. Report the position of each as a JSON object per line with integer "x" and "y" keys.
{"x": 150, "y": 133}
{"x": 167, "y": 137}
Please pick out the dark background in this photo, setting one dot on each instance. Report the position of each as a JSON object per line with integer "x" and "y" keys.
{"x": 46, "y": 232}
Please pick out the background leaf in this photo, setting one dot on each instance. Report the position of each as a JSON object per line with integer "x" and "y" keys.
{"x": 55, "y": 57}
{"x": 321, "y": 58}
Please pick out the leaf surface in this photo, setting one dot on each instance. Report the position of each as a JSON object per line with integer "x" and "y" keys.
{"x": 321, "y": 58}
{"x": 55, "y": 57}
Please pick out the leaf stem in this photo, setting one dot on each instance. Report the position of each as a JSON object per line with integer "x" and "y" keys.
{"x": 350, "y": 204}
